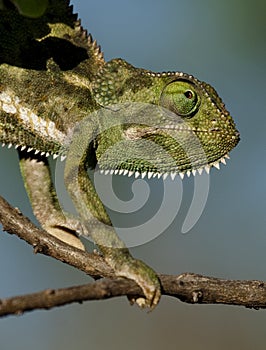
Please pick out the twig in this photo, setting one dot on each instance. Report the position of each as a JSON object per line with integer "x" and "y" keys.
{"x": 187, "y": 287}
{"x": 15, "y": 223}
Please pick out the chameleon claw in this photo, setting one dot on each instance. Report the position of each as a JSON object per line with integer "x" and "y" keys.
{"x": 146, "y": 278}
{"x": 152, "y": 297}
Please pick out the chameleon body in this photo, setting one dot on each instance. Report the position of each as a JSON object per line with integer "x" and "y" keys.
{"x": 53, "y": 77}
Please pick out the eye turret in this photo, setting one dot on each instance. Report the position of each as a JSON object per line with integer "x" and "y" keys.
{"x": 180, "y": 98}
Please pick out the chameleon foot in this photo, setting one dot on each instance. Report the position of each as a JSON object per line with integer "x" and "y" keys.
{"x": 146, "y": 278}
{"x": 126, "y": 266}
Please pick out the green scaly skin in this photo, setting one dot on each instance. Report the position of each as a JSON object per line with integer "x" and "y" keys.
{"x": 52, "y": 77}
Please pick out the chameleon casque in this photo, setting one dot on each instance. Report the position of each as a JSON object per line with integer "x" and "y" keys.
{"x": 53, "y": 77}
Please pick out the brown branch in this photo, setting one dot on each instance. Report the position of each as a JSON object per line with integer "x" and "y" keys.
{"x": 187, "y": 287}
{"x": 15, "y": 223}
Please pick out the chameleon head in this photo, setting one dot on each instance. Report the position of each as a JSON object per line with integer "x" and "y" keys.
{"x": 167, "y": 122}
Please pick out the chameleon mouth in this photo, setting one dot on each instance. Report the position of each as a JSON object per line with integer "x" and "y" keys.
{"x": 172, "y": 175}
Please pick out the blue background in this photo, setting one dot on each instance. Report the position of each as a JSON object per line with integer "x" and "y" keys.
{"x": 220, "y": 42}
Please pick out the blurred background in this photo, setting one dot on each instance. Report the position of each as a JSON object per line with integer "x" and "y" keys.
{"x": 222, "y": 43}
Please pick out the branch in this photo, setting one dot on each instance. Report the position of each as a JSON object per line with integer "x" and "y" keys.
{"x": 15, "y": 223}
{"x": 187, "y": 287}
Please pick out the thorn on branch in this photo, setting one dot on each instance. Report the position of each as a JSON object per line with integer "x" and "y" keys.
{"x": 197, "y": 296}
{"x": 40, "y": 248}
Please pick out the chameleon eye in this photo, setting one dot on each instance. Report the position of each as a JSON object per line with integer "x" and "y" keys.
{"x": 180, "y": 98}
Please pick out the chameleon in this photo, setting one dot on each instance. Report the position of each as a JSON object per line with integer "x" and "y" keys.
{"x": 60, "y": 98}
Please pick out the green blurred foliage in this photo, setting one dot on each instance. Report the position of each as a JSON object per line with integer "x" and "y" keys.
{"x": 29, "y": 8}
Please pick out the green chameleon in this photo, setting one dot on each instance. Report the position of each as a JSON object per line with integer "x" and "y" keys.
{"x": 59, "y": 97}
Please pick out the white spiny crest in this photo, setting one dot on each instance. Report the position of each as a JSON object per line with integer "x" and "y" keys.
{"x": 217, "y": 165}
{"x": 30, "y": 149}
{"x": 136, "y": 174}
{"x": 173, "y": 175}
{"x": 143, "y": 174}
{"x": 223, "y": 161}
{"x": 151, "y": 174}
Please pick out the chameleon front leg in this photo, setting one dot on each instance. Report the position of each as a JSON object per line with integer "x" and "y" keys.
{"x": 98, "y": 224}
{"x": 45, "y": 205}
